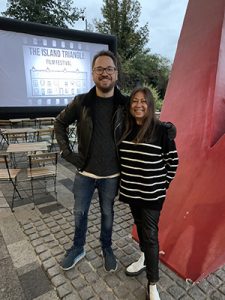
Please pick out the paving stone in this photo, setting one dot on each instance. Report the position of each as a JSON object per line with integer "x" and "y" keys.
{"x": 10, "y": 286}
{"x": 55, "y": 229}
{"x": 48, "y": 220}
{"x": 70, "y": 219}
{"x": 35, "y": 283}
{"x": 30, "y": 231}
{"x": 79, "y": 283}
{"x": 52, "y": 244}
{"x": 217, "y": 295}
{"x": 97, "y": 262}
{"x": 51, "y": 224}
{"x": 65, "y": 226}
{"x": 68, "y": 231}
{"x": 166, "y": 281}
{"x": 221, "y": 274}
{"x": 196, "y": 293}
{"x": 58, "y": 280}
{"x": 176, "y": 291}
{"x": 186, "y": 285}
{"x": 49, "y": 263}
{"x": 38, "y": 223}
{"x": 53, "y": 271}
{"x": 66, "y": 214}
{"x": 22, "y": 253}
{"x": 94, "y": 244}
{"x": 3, "y": 249}
{"x": 56, "y": 251}
{"x": 63, "y": 240}
{"x": 61, "y": 221}
{"x": 222, "y": 288}
{"x": 166, "y": 296}
{"x": 33, "y": 236}
{"x": 67, "y": 246}
{"x": 45, "y": 255}
{"x": 57, "y": 217}
{"x": 84, "y": 267}
{"x": 41, "y": 248}
{"x": 73, "y": 296}
{"x": 28, "y": 267}
{"x": 214, "y": 280}
{"x": 90, "y": 255}
{"x": 132, "y": 297}
{"x": 91, "y": 277}
{"x": 59, "y": 235}
{"x": 71, "y": 236}
{"x": 99, "y": 286}
{"x": 86, "y": 293}
{"x": 112, "y": 281}
{"x": 64, "y": 289}
{"x": 27, "y": 226}
{"x": 122, "y": 233}
{"x": 11, "y": 230}
{"x": 206, "y": 287}
{"x": 121, "y": 291}
{"x": 48, "y": 238}
{"x": 141, "y": 293}
{"x": 131, "y": 284}
{"x": 44, "y": 233}
{"x": 37, "y": 242}
{"x": 51, "y": 295}
{"x": 62, "y": 210}
{"x": 3, "y": 202}
{"x": 54, "y": 213}
{"x": 92, "y": 229}
{"x": 107, "y": 295}
{"x": 122, "y": 243}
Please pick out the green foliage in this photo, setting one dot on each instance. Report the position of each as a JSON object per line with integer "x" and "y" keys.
{"x": 155, "y": 93}
{"x": 136, "y": 64}
{"x": 59, "y": 13}
{"x": 156, "y": 96}
{"x": 121, "y": 18}
{"x": 150, "y": 69}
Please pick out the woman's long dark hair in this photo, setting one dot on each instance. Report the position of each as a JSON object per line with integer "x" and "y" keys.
{"x": 147, "y": 129}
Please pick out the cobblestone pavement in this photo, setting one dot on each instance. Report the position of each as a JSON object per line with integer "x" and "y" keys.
{"x": 34, "y": 242}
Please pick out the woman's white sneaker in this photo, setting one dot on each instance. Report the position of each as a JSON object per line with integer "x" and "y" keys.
{"x": 152, "y": 293}
{"x": 136, "y": 267}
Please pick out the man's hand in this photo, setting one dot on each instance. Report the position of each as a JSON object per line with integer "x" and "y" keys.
{"x": 171, "y": 130}
{"x": 72, "y": 158}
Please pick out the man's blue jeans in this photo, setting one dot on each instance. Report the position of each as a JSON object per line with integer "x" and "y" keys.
{"x": 84, "y": 188}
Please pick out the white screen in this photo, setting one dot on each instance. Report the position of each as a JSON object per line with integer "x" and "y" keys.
{"x": 43, "y": 71}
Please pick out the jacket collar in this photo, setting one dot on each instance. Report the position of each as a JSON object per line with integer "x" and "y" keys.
{"x": 118, "y": 98}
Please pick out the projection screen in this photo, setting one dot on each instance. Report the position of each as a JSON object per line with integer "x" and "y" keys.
{"x": 43, "y": 67}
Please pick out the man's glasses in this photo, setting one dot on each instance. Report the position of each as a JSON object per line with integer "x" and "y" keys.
{"x": 100, "y": 70}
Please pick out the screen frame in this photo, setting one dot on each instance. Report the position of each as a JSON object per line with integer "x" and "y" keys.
{"x": 37, "y": 29}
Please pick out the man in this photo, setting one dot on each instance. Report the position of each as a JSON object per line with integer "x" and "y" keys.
{"x": 99, "y": 115}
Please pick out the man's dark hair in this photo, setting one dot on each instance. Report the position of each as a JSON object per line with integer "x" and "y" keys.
{"x": 105, "y": 53}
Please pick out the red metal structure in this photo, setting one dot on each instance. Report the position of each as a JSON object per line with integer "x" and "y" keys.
{"x": 192, "y": 225}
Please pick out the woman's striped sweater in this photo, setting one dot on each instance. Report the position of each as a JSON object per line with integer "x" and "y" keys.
{"x": 147, "y": 168}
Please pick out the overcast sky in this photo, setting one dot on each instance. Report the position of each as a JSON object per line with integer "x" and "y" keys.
{"x": 164, "y": 18}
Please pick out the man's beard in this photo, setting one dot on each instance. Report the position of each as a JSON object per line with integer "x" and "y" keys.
{"x": 107, "y": 88}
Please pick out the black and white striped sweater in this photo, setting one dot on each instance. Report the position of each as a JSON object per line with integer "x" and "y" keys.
{"x": 147, "y": 168}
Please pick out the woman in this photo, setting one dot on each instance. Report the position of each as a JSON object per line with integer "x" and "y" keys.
{"x": 148, "y": 164}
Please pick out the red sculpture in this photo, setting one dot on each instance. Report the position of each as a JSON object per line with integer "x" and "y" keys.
{"x": 192, "y": 226}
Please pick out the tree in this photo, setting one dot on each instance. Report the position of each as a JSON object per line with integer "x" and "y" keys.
{"x": 52, "y": 12}
{"x": 121, "y": 18}
{"x": 148, "y": 69}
